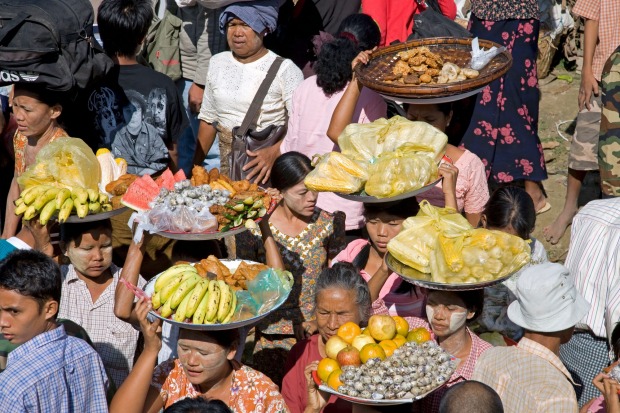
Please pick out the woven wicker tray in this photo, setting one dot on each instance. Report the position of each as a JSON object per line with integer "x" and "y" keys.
{"x": 454, "y": 50}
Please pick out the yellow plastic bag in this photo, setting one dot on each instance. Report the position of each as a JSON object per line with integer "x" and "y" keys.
{"x": 66, "y": 162}
{"x": 447, "y": 220}
{"x": 400, "y": 171}
{"x": 336, "y": 173}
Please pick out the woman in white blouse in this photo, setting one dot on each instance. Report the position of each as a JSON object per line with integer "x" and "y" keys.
{"x": 233, "y": 80}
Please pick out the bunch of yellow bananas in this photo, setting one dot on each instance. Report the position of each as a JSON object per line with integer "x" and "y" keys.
{"x": 180, "y": 290}
{"x": 47, "y": 201}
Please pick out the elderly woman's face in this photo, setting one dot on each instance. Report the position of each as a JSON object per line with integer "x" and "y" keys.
{"x": 33, "y": 117}
{"x": 202, "y": 358}
{"x": 334, "y": 307}
{"x": 242, "y": 40}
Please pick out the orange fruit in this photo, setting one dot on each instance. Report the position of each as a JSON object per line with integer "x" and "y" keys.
{"x": 348, "y": 331}
{"x": 366, "y": 331}
{"x": 388, "y": 347}
{"x": 333, "y": 380}
{"x": 371, "y": 351}
{"x": 326, "y": 367}
{"x": 402, "y": 326}
{"x": 399, "y": 340}
{"x": 419, "y": 335}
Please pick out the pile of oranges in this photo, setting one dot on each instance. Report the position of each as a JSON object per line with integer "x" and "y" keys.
{"x": 354, "y": 346}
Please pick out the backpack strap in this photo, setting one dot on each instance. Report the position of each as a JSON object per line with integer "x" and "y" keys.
{"x": 12, "y": 24}
{"x": 251, "y": 117}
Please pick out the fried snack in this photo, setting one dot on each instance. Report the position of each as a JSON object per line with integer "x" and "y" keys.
{"x": 116, "y": 201}
{"x": 432, "y": 72}
{"x": 226, "y": 185}
{"x": 202, "y": 271}
{"x": 214, "y": 174}
{"x": 401, "y": 68}
{"x": 119, "y": 187}
{"x": 213, "y": 265}
{"x": 407, "y": 54}
{"x": 199, "y": 176}
{"x": 240, "y": 186}
{"x": 253, "y": 187}
{"x": 470, "y": 73}
{"x": 411, "y": 80}
{"x": 420, "y": 68}
{"x": 417, "y": 60}
{"x": 425, "y": 78}
{"x": 226, "y": 179}
{"x": 247, "y": 271}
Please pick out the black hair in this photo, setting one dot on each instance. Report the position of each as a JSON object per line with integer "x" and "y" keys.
{"x": 357, "y": 33}
{"x": 74, "y": 232}
{"x": 471, "y": 397}
{"x": 511, "y": 206}
{"x": 404, "y": 208}
{"x": 473, "y": 300}
{"x": 123, "y": 25}
{"x": 615, "y": 340}
{"x": 344, "y": 275}
{"x": 289, "y": 169}
{"x": 31, "y": 274}
{"x": 444, "y": 108}
{"x": 198, "y": 405}
{"x": 223, "y": 338}
{"x": 42, "y": 93}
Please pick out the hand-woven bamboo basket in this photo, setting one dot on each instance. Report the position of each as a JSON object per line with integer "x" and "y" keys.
{"x": 454, "y": 50}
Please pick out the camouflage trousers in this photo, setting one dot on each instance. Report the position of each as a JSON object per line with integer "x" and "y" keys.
{"x": 609, "y": 136}
{"x": 584, "y": 143}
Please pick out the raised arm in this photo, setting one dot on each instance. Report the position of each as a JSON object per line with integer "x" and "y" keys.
{"x": 123, "y": 297}
{"x": 11, "y": 221}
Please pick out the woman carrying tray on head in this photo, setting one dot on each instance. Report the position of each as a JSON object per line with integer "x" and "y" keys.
{"x": 503, "y": 130}
{"x": 472, "y": 192}
{"x": 205, "y": 368}
{"x": 308, "y": 239}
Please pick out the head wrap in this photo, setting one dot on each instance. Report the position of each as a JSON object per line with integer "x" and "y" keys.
{"x": 260, "y": 15}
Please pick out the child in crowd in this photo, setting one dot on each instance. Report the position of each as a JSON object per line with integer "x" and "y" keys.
{"x": 49, "y": 371}
{"x": 607, "y": 384}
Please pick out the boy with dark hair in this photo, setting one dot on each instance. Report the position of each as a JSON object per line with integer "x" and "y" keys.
{"x": 123, "y": 25}
{"x": 49, "y": 371}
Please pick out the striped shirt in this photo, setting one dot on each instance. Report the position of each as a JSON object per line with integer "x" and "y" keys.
{"x": 54, "y": 373}
{"x": 593, "y": 260}
{"x": 529, "y": 378}
{"x": 607, "y": 13}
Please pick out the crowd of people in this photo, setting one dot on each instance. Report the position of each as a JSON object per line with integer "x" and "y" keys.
{"x": 74, "y": 338}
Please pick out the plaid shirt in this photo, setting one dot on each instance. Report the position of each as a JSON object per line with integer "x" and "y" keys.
{"x": 114, "y": 339}
{"x": 54, "y": 373}
{"x": 607, "y": 12}
{"x": 528, "y": 378}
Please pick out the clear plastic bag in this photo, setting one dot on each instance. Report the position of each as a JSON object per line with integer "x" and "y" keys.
{"x": 267, "y": 290}
{"x": 480, "y": 57}
{"x": 163, "y": 217}
{"x": 66, "y": 162}
{"x": 335, "y": 172}
{"x": 400, "y": 171}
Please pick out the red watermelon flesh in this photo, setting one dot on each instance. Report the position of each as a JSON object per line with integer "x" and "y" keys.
{"x": 180, "y": 176}
{"x": 140, "y": 193}
{"x": 166, "y": 180}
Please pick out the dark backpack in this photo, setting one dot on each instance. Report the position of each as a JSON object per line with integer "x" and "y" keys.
{"x": 49, "y": 42}
{"x": 432, "y": 23}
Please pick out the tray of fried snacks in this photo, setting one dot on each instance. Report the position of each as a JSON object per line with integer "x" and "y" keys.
{"x": 382, "y": 161}
{"x": 431, "y": 68}
{"x": 216, "y": 294}
{"x": 439, "y": 249}
{"x": 208, "y": 206}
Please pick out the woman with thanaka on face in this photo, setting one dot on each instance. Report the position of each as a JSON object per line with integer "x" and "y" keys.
{"x": 471, "y": 192}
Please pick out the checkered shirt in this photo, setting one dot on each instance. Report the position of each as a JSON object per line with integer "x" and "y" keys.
{"x": 528, "y": 377}
{"x": 114, "y": 339}
{"x": 593, "y": 260}
{"x": 607, "y": 12}
{"x": 54, "y": 373}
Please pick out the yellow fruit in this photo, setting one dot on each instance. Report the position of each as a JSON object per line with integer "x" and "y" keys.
{"x": 382, "y": 327}
{"x": 348, "y": 331}
{"x": 371, "y": 351}
{"x": 419, "y": 335}
{"x": 333, "y": 346}
{"x": 365, "y": 331}
{"x": 101, "y": 151}
{"x": 360, "y": 341}
{"x": 402, "y": 326}
{"x": 399, "y": 340}
{"x": 326, "y": 367}
{"x": 388, "y": 346}
{"x": 333, "y": 380}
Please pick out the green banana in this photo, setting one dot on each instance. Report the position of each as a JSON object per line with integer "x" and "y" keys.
{"x": 170, "y": 273}
{"x": 103, "y": 198}
{"x": 93, "y": 195}
{"x": 20, "y": 209}
{"x": 65, "y": 210}
{"x": 47, "y": 212}
{"x": 31, "y": 194}
{"x": 79, "y": 194}
{"x": 166, "y": 310}
{"x": 45, "y": 198}
{"x": 19, "y": 201}
{"x": 213, "y": 301}
{"x": 26, "y": 191}
{"x": 80, "y": 208}
{"x": 170, "y": 288}
{"x": 106, "y": 207}
{"x": 225, "y": 300}
{"x": 156, "y": 300}
{"x": 94, "y": 207}
{"x": 233, "y": 307}
{"x": 30, "y": 212}
{"x": 184, "y": 289}
{"x": 196, "y": 296}
{"x": 180, "y": 314}
{"x": 62, "y": 196}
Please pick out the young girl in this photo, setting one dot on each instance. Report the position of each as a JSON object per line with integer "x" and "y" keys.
{"x": 608, "y": 401}
{"x": 511, "y": 210}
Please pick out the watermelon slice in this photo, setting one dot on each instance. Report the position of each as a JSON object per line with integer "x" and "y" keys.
{"x": 166, "y": 180}
{"x": 140, "y": 193}
{"x": 180, "y": 176}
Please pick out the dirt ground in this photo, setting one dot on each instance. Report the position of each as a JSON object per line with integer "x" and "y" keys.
{"x": 558, "y": 109}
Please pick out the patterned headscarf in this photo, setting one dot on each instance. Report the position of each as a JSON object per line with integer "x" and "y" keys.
{"x": 258, "y": 14}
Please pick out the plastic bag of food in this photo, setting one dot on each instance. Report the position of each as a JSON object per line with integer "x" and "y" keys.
{"x": 270, "y": 288}
{"x": 400, "y": 171}
{"x": 363, "y": 141}
{"x": 66, "y": 162}
{"x": 335, "y": 172}
{"x": 447, "y": 220}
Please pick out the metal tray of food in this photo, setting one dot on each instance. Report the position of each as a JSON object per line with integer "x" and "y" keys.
{"x": 367, "y": 199}
{"x": 74, "y": 219}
